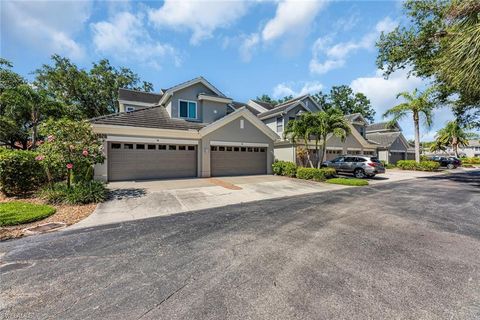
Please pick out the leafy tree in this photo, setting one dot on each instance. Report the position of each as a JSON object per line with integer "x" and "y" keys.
{"x": 301, "y": 129}
{"x": 268, "y": 99}
{"x": 93, "y": 92}
{"x": 285, "y": 99}
{"x": 71, "y": 149}
{"x": 451, "y": 135}
{"x": 441, "y": 42}
{"x": 419, "y": 104}
{"x": 343, "y": 98}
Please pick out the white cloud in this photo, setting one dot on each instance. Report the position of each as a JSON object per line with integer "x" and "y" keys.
{"x": 334, "y": 56}
{"x": 45, "y": 25}
{"x": 248, "y": 46}
{"x": 286, "y": 89}
{"x": 200, "y": 17}
{"x": 291, "y": 17}
{"x": 125, "y": 37}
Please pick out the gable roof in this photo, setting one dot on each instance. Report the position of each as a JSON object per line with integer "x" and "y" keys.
{"x": 138, "y": 96}
{"x": 263, "y": 104}
{"x": 283, "y": 107}
{"x": 168, "y": 92}
{"x": 354, "y": 116}
{"x": 237, "y": 105}
{"x": 384, "y": 139}
{"x": 382, "y": 126}
{"x": 155, "y": 117}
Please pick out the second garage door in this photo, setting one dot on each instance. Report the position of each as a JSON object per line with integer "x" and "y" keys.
{"x": 138, "y": 161}
{"x": 235, "y": 161}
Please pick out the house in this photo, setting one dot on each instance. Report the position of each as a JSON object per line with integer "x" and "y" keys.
{"x": 391, "y": 144}
{"x": 471, "y": 150}
{"x": 277, "y": 118}
{"x": 189, "y": 130}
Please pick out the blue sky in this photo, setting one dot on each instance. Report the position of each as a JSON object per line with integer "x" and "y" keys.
{"x": 244, "y": 48}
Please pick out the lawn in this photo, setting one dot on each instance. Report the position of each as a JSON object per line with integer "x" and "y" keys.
{"x": 17, "y": 212}
{"x": 348, "y": 181}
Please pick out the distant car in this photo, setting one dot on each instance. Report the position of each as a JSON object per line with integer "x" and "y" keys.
{"x": 448, "y": 162}
{"x": 360, "y": 166}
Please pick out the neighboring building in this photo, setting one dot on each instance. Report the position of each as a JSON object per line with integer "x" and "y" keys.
{"x": 391, "y": 144}
{"x": 471, "y": 151}
{"x": 189, "y": 130}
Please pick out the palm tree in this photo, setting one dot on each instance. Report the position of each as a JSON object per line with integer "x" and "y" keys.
{"x": 330, "y": 122}
{"x": 300, "y": 128}
{"x": 451, "y": 135}
{"x": 420, "y": 105}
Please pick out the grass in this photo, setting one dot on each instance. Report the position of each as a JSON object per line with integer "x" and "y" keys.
{"x": 17, "y": 212}
{"x": 348, "y": 181}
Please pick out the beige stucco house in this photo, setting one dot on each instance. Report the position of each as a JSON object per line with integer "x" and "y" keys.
{"x": 189, "y": 130}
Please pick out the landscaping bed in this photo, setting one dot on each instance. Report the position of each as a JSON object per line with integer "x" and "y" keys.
{"x": 68, "y": 214}
{"x": 348, "y": 181}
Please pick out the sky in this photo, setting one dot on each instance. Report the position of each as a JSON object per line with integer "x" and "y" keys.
{"x": 245, "y": 49}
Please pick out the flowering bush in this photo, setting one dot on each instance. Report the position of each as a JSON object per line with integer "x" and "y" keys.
{"x": 20, "y": 171}
{"x": 70, "y": 150}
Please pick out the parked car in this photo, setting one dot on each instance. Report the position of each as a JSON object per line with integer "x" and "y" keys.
{"x": 450, "y": 162}
{"x": 360, "y": 166}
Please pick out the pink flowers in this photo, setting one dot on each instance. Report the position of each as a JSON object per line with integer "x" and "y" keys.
{"x": 39, "y": 158}
{"x": 69, "y": 166}
{"x": 50, "y": 138}
{"x": 85, "y": 152}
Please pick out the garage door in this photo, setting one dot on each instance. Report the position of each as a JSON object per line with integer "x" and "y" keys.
{"x": 235, "y": 161}
{"x": 137, "y": 161}
{"x": 396, "y": 156}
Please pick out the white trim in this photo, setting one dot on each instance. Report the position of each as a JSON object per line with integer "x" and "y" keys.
{"x": 354, "y": 149}
{"x": 242, "y": 112}
{"x": 237, "y": 144}
{"x": 149, "y": 140}
{"x": 335, "y": 148}
{"x": 402, "y": 151}
{"x": 242, "y": 124}
{"x": 141, "y": 131}
{"x": 215, "y": 99}
{"x": 187, "y": 101}
{"x": 135, "y": 103}
{"x": 256, "y": 106}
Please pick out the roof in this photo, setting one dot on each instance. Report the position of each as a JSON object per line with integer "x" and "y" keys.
{"x": 237, "y": 105}
{"x": 194, "y": 81}
{"x": 155, "y": 117}
{"x": 384, "y": 139}
{"x": 381, "y": 126}
{"x": 281, "y": 107}
{"x": 352, "y": 117}
{"x": 138, "y": 96}
{"x": 474, "y": 143}
{"x": 266, "y": 105}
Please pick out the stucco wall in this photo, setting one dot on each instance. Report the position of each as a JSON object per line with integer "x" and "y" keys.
{"x": 285, "y": 153}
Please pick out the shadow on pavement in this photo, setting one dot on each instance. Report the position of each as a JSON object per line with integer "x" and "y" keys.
{"x": 472, "y": 178}
{"x": 118, "y": 194}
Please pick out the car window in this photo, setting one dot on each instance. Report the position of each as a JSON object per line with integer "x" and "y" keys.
{"x": 360, "y": 160}
{"x": 350, "y": 159}
{"x": 374, "y": 159}
{"x": 339, "y": 159}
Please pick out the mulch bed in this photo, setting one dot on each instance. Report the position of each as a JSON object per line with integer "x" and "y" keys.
{"x": 68, "y": 214}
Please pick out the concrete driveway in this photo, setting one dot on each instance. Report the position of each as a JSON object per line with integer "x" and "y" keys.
{"x": 134, "y": 200}
{"x": 404, "y": 250}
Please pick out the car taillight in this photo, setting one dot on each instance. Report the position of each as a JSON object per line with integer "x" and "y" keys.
{"x": 373, "y": 164}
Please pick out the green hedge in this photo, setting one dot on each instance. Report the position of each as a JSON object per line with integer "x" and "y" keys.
{"x": 315, "y": 174}
{"x": 474, "y": 160}
{"x": 284, "y": 168}
{"x": 20, "y": 173}
{"x": 422, "y": 166}
{"x": 79, "y": 193}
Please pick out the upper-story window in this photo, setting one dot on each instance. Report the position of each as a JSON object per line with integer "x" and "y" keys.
{"x": 129, "y": 108}
{"x": 279, "y": 124}
{"x": 362, "y": 131}
{"x": 187, "y": 109}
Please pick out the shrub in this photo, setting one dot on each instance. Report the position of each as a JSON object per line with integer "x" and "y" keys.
{"x": 474, "y": 160}
{"x": 80, "y": 193}
{"x": 387, "y": 165}
{"x": 315, "y": 174}
{"x": 20, "y": 173}
{"x": 422, "y": 166}
{"x": 17, "y": 212}
{"x": 348, "y": 181}
{"x": 284, "y": 168}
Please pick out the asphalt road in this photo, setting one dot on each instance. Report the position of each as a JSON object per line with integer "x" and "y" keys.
{"x": 403, "y": 250}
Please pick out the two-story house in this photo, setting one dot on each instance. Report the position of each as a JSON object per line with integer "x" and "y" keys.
{"x": 189, "y": 130}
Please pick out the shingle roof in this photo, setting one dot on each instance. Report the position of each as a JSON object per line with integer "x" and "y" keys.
{"x": 266, "y": 105}
{"x": 155, "y": 117}
{"x": 281, "y": 107}
{"x": 138, "y": 96}
{"x": 220, "y": 94}
{"x": 384, "y": 139}
{"x": 380, "y": 126}
{"x": 237, "y": 105}
{"x": 351, "y": 117}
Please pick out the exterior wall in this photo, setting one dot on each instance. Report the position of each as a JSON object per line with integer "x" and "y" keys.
{"x": 121, "y": 106}
{"x": 361, "y": 129}
{"x": 272, "y": 124}
{"x": 383, "y": 155}
{"x": 232, "y": 132}
{"x": 310, "y": 104}
{"x": 291, "y": 114}
{"x": 350, "y": 145}
{"x": 285, "y": 153}
{"x": 205, "y": 113}
{"x": 398, "y": 145}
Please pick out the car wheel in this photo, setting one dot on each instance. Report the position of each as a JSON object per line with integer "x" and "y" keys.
{"x": 371, "y": 176}
{"x": 359, "y": 173}
{"x": 450, "y": 166}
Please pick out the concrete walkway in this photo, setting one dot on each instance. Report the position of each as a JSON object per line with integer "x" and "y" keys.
{"x": 132, "y": 200}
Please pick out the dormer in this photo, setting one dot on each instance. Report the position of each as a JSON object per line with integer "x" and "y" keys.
{"x": 130, "y": 100}
{"x": 358, "y": 122}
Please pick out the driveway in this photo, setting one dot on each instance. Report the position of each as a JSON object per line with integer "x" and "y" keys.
{"x": 134, "y": 200}
{"x": 405, "y": 250}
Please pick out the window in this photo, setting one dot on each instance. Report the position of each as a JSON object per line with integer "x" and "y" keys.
{"x": 116, "y": 145}
{"x": 242, "y": 123}
{"x": 129, "y": 108}
{"x": 187, "y": 109}
{"x": 236, "y": 149}
{"x": 262, "y": 149}
{"x": 172, "y": 147}
{"x": 229, "y": 148}
{"x": 339, "y": 159}
{"x": 243, "y": 149}
{"x": 221, "y": 148}
{"x": 127, "y": 146}
{"x": 255, "y": 149}
{"x": 279, "y": 124}
{"x": 350, "y": 159}
{"x": 151, "y": 147}
{"x": 213, "y": 148}
{"x": 250, "y": 149}
{"x": 141, "y": 146}
{"x": 183, "y": 148}
{"x": 162, "y": 147}
{"x": 191, "y": 148}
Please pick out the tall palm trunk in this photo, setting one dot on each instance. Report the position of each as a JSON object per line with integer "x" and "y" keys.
{"x": 417, "y": 136}
{"x": 308, "y": 152}
{"x": 322, "y": 155}
{"x": 455, "y": 146}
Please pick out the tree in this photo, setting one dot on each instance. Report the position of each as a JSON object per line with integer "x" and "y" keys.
{"x": 94, "y": 92}
{"x": 266, "y": 98}
{"x": 419, "y": 104}
{"x": 343, "y": 98}
{"x": 329, "y": 122}
{"x": 451, "y": 135}
{"x": 301, "y": 128}
{"x": 440, "y": 43}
